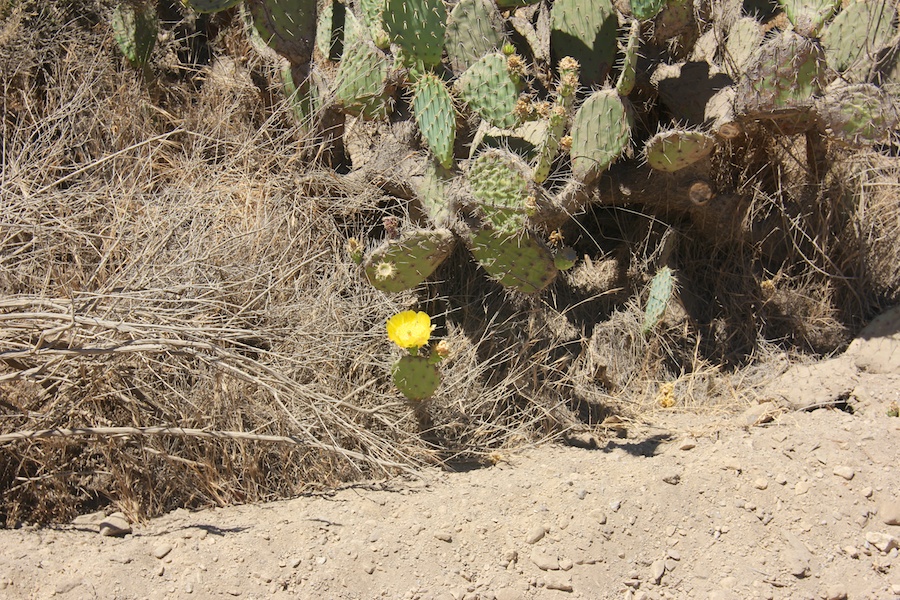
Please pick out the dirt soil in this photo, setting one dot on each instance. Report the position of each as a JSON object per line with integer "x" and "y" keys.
{"x": 775, "y": 502}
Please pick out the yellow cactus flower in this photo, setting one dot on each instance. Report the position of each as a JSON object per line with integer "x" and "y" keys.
{"x": 409, "y": 329}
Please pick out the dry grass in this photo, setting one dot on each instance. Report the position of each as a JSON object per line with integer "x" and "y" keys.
{"x": 180, "y": 324}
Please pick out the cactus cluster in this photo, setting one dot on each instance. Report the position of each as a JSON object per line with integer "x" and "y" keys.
{"x": 551, "y": 95}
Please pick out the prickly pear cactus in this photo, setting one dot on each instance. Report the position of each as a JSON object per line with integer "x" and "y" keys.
{"x": 628, "y": 74}
{"x": 288, "y": 26}
{"x": 402, "y": 264}
{"x": 808, "y": 16}
{"x": 135, "y": 27}
{"x": 491, "y": 89}
{"x": 474, "y": 30}
{"x": 373, "y": 18}
{"x": 861, "y": 114}
{"x": 556, "y": 121}
{"x": 418, "y": 28}
{"x": 586, "y": 31}
{"x": 435, "y": 116}
{"x": 433, "y": 195}
{"x": 500, "y": 182}
{"x": 417, "y": 377}
{"x": 518, "y": 261}
{"x": 674, "y": 150}
{"x": 661, "y": 288}
{"x": 601, "y": 131}
{"x": 362, "y": 81}
{"x": 857, "y": 34}
{"x": 743, "y": 39}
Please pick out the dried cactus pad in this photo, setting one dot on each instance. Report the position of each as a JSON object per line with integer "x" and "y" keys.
{"x": 404, "y": 263}
{"x": 861, "y": 114}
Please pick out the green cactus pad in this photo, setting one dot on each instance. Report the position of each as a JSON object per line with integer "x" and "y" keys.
{"x": 674, "y": 150}
{"x": 135, "y": 27}
{"x": 361, "y": 78}
{"x": 416, "y": 377}
{"x": 644, "y": 10}
{"x": 432, "y": 195}
{"x": 808, "y": 16}
{"x": 586, "y": 31}
{"x": 601, "y": 131}
{"x": 857, "y": 34}
{"x": 373, "y": 18}
{"x": 743, "y": 39}
{"x": 288, "y": 26}
{"x": 661, "y": 289}
{"x": 861, "y": 114}
{"x": 330, "y": 29}
{"x": 474, "y": 29}
{"x": 209, "y": 6}
{"x": 499, "y": 180}
{"x": 491, "y": 91}
{"x": 435, "y": 116}
{"x": 404, "y": 263}
{"x": 517, "y": 261}
{"x": 417, "y": 27}
{"x": 628, "y": 75}
{"x": 785, "y": 73}
{"x": 565, "y": 258}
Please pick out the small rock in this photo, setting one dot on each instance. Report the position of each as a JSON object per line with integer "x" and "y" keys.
{"x": 780, "y": 479}
{"x": 508, "y": 594}
{"x": 615, "y": 505}
{"x": 66, "y": 586}
{"x": 89, "y": 519}
{"x": 565, "y": 564}
{"x": 687, "y": 446}
{"x": 672, "y": 478}
{"x": 535, "y": 534}
{"x": 369, "y": 568}
{"x": 657, "y": 570}
{"x": 673, "y": 554}
{"x": 544, "y": 561}
{"x": 883, "y": 541}
{"x": 757, "y": 415}
{"x": 732, "y": 464}
{"x": 563, "y": 585}
{"x": 161, "y": 550}
{"x": 851, "y": 551}
{"x": 867, "y": 492}
{"x": 115, "y": 525}
{"x": 600, "y": 516}
{"x": 802, "y": 487}
{"x": 444, "y": 536}
{"x": 835, "y": 592}
{"x": 761, "y": 483}
{"x": 845, "y": 472}
{"x": 890, "y": 512}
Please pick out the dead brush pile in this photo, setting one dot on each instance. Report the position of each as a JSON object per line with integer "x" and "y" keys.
{"x": 181, "y": 323}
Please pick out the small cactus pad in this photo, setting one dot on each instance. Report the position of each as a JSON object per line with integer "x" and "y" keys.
{"x": 674, "y": 150}
{"x": 644, "y": 10}
{"x": 861, "y": 114}
{"x": 786, "y": 72}
{"x": 661, "y": 288}
{"x": 361, "y": 79}
{"x": 586, "y": 31}
{"x": 416, "y": 377}
{"x": 208, "y": 6}
{"x": 135, "y": 28}
{"x": 372, "y": 17}
{"x": 857, "y": 34}
{"x": 288, "y": 26}
{"x": 474, "y": 29}
{"x": 402, "y": 264}
{"x": 808, "y": 16}
{"x": 743, "y": 39}
{"x": 329, "y": 29}
{"x": 435, "y": 116}
{"x": 628, "y": 75}
{"x": 499, "y": 180}
{"x": 417, "y": 27}
{"x": 517, "y": 261}
{"x": 432, "y": 193}
{"x": 491, "y": 90}
{"x": 601, "y": 131}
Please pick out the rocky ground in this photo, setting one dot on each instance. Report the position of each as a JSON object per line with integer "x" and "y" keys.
{"x": 774, "y": 502}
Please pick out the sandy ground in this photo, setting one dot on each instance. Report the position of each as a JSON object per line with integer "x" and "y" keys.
{"x": 771, "y": 503}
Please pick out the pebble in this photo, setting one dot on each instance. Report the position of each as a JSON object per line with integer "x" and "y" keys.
{"x": 369, "y": 568}
{"x": 802, "y": 487}
{"x": 657, "y": 570}
{"x": 844, "y": 472}
{"x": 890, "y": 512}
{"x": 867, "y": 492}
{"x": 563, "y": 585}
{"x": 851, "y": 551}
{"x": 673, "y": 554}
{"x": 535, "y": 534}
{"x": 687, "y": 446}
{"x": 444, "y": 536}
{"x": 544, "y": 561}
{"x": 600, "y": 516}
{"x": 161, "y": 550}
{"x": 835, "y": 592}
{"x": 761, "y": 483}
{"x": 508, "y": 594}
{"x": 672, "y": 477}
{"x": 93, "y": 518}
{"x": 885, "y": 542}
{"x": 780, "y": 479}
{"x": 115, "y": 525}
